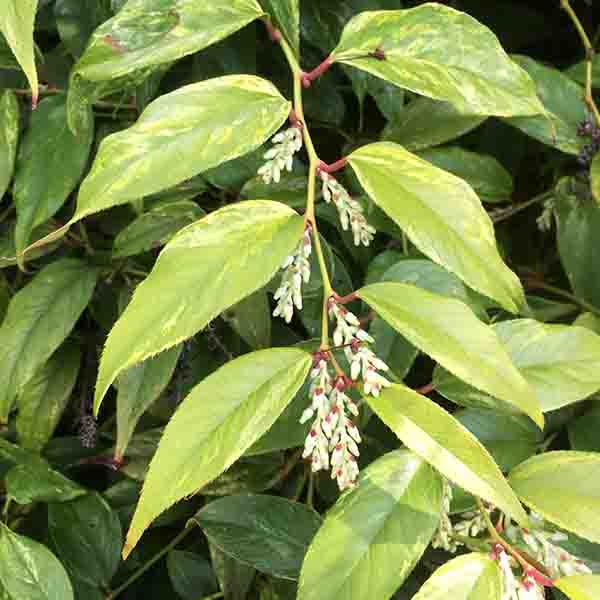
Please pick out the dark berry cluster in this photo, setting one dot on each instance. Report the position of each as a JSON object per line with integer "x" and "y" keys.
{"x": 590, "y": 130}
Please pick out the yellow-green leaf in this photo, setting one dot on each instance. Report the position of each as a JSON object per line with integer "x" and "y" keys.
{"x": 580, "y": 587}
{"x": 9, "y": 135}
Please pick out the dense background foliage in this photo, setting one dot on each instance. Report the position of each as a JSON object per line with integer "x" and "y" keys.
{"x": 109, "y": 162}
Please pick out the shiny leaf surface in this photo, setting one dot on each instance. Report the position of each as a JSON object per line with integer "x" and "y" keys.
{"x": 440, "y": 53}
{"x": 217, "y": 422}
{"x": 209, "y": 266}
{"x": 374, "y": 535}
{"x": 441, "y": 215}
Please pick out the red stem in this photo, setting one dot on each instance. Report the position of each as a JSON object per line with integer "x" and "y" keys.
{"x": 310, "y": 76}
{"x": 274, "y": 33}
{"x": 426, "y": 389}
{"x": 338, "y": 165}
{"x": 345, "y": 299}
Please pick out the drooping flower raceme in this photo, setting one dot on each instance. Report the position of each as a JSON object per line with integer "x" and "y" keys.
{"x": 333, "y": 438}
{"x": 363, "y": 362}
{"x": 350, "y": 211}
{"x": 443, "y": 536}
{"x": 296, "y": 271}
{"x": 281, "y": 156}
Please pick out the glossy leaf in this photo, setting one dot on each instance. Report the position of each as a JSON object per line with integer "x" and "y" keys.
{"x": 50, "y": 164}
{"x": 45, "y": 397}
{"x": 426, "y": 122}
{"x": 138, "y": 388}
{"x": 146, "y": 33}
{"x": 16, "y": 23}
{"x": 209, "y": 266}
{"x": 178, "y": 136}
{"x": 29, "y": 570}
{"x": 437, "y": 437}
{"x": 469, "y": 577}
{"x": 564, "y": 109}
{"x": 286, "y": 16}
{"x": 35, "y": 481}
{"x": 39, "y": 318}
{"x": 564, "y": 488}
{"x": 9, "y": 135}
{"x": 87, "y": 536}
{"x": 451, "y": 334}
{"x": 488, "y": 178}
{"x": 375, "y": 534}
{"x": 440, "y": 53}
{"x": 441, "y": 215}
{"x": 155, "y": 228}
{"x": 560, "y": 363}
{"x": 217, "y": 422}
{"x": 269, "y": 533}
{"x": 580, "y": 587}
{"x": 191, "y": 575}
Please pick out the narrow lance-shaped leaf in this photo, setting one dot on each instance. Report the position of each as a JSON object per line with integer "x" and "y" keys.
{"x": 50, "y": 164}
{"x": 39, "y": 318}
{"x": 206, "y": 268}
{"x": 440, "y": 53}
{"x": 217, "y": 422}
{"x": 145, "y": 33}
{"x": 9, "y": 135}
{"x": 450, "y": 333}
{"x": 470, "y": 577}
{"x": 437, "y": 437}
{"x": 180, "y": 135}
{"x": 16, "y": 23}
{"x": 563, "y": 487}
{"x": 29, "y": 570}
{"x": 374, "y": 535}
{"x": 441, "y": 215}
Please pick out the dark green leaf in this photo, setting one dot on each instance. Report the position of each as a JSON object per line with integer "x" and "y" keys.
{"x": 39, "y": 318}
{"x": 76, "y": 21}
{"x": 251, "y": 319}
{"x": 191, "y": 575}
{"x": 375, "y": 534}
{"x": 286, "y": 16}
{"x": 583, "y": 431}
{"x": 219, "y": 420}
{"x": 269, "y": 533}
{"x": 595, "y": 177}
{"x": 9, "y": 135}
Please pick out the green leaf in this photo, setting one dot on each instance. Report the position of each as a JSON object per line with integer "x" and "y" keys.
{"x": 145, "y": 33}
{"x": 206, "y": 268}
{"x": 564, "y": 488}
{"x": 45, "y": 397}
{"x": 578, "y": 71}
{"x": 583, "y": 431}
{"x": 16, "y": 23}
{"x": 440, "y": 53}
{"x": 217, "y": 422}
{"x": 564, "y": 108}
{"x": 40, "y": 316}
{"x": 577, "y": 224}
{"x": 286, "y": 16}
{"x": 469, "y": 577}
{"x": 375, "y": 534}
{"x": 155, "y": 227}
{"x": 290, "y": 190}
{"x": 560, "y": 363}
{"x": 9, "y": 136}
{"x": 451, "y": 334}
{"x": 35, "y": 481}
{"x": 441, "y": 215}
{"x": 8, "y": 252}
{"x": 76, "y": 21}
{"x": 191, "y": 575}
{"x": 29, "y": 570}
{"x": 235, "y": 577}
{"x": 178, "y": 136}
{"x": 437, "y": 437}
{"x": 87, "y": 536}
{"x": 269, "y": 533}
{"x": 50, "y": 164}
{"x": 488, "y": 178}
{"x": 251, "y": 320}
{"x": 138, "y": 388}
{"x": 595, "y": 177}
{"x": 510, "y": 439}
{"x": 426, "y": 122}
{"x": 580, "y": 587}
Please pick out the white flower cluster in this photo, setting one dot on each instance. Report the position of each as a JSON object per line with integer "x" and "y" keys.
{"x": 542, "y": 545}
{"x": 281, "y": 156}
{"x": 297, "y": 270}
{"x": 443, "y": 536}
{"x": 513, "y": 588}
{"x": 363, "y": 362}
{"x": 350, "y": 211}
{"x": 544, "y": 221}
{"x": 333, "y": 438}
